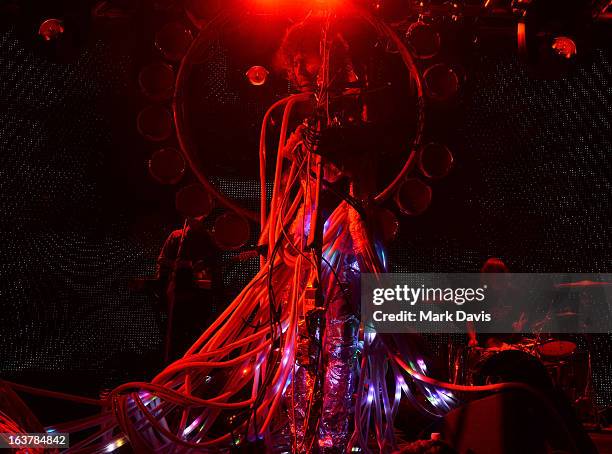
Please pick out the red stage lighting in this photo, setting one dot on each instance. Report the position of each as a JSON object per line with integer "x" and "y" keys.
{"x": 257, "y": 75}
{"x": 564, "y": 47}
{"x": 277, "y": 4}
{"x": 51, "y": 29}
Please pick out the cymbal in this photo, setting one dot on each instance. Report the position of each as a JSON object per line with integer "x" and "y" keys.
{"x": 540, "y": 323}
{"x": 565, "y": 314}
{"x": 584, "y": 283}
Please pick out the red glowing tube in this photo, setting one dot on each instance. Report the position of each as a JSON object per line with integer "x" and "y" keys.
{"x": 262, "y": 151}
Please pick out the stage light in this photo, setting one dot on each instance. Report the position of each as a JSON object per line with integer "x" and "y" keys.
{"x": 277, "y": 4}
{"x": 564, "y": 47}
{"x": 327, "y": 2}
{"x": 51, "y": 29}
{"x": 257, "y": 75}
{"x": 550, "y": 35}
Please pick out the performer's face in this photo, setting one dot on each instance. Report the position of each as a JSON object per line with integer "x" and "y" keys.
{"x": 306, "y": 66}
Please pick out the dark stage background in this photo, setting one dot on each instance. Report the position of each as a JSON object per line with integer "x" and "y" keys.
{"x": 79, "y": 214}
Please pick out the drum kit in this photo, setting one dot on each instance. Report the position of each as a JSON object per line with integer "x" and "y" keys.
{"x": 540, "y": 358}
{"x": 560, "y": 357}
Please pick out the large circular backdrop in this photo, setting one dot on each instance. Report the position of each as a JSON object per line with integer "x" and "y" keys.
{"x": 233, "y": 72}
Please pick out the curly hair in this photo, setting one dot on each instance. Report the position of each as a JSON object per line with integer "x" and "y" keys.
{"x": 305, "y": 38}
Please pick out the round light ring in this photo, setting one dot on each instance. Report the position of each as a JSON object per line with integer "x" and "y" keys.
{"x": 157, "y": 81}
{"x": 194, "y": 57}
{"x": 173, "y": 40}
{"x": 51, "y": 29}
{"x": 423, "y": 40}
{"x": 441, "y": 82}
{"x": 413, "y": 197}
{"x": 435, "y": 161}
{"x": 194, "y": 201}
{"x": 154, "y": 123}
{"x": 257, "y": 75}
{"x": 167, "y": 166}
{"x": 231, "y": 231}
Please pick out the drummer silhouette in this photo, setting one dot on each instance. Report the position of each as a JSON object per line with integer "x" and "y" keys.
{"x": 503, "y": 309}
